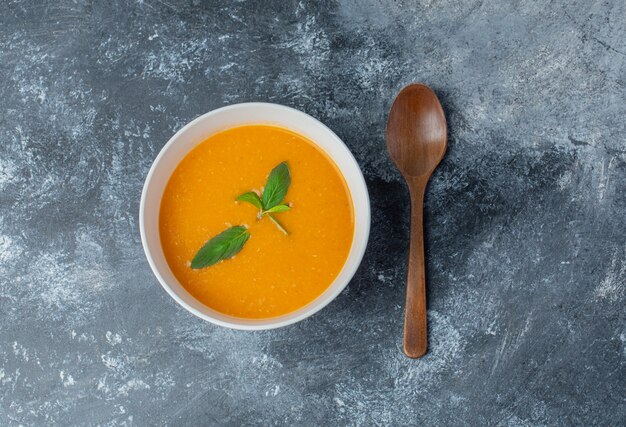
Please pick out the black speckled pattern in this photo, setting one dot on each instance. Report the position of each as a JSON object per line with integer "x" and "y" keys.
{"x": 525, "y": 221}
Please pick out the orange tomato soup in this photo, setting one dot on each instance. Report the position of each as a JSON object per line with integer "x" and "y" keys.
{"x": 274, "y": 273}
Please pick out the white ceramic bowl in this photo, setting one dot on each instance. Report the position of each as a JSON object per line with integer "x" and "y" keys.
{"x": 199, "y": 130}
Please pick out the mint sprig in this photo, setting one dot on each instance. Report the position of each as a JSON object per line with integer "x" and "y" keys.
{"x": 275, "y": 190}
{"x": 230, "y": 242}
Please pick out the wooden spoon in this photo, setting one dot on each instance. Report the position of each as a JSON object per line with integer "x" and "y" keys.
{"x": 416, "y": 140}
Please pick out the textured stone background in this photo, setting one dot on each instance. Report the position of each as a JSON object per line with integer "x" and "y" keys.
{"x": 526, "y": 215}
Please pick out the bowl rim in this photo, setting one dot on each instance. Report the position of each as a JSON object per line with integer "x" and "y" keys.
{"x": 272, "y": 322}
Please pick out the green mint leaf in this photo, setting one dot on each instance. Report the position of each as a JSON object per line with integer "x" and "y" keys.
{"x": 223, "y": 246}
{"x": 252, "y": 198}
{"x": 276, "y": 186}
{"x": 277, "y": 208}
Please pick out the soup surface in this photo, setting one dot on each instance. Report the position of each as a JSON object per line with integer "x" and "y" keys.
{"x": 274, "y": 273}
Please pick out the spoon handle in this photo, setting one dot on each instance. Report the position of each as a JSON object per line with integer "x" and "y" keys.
{"x": 415, "y": 331}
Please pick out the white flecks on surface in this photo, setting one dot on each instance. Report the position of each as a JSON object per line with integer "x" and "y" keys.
{"x": 66, "y": 379}
{"x": 613, "y": 286}
{"x": 113, "y": 339}
{"x": 131, "y": 385}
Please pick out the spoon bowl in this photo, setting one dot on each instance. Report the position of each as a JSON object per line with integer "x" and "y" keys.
{"x": 416, "y": 141}
{"x": 416, "y": 131}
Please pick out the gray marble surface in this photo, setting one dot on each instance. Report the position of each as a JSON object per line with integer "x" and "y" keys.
{"x": 525, "y": 223}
